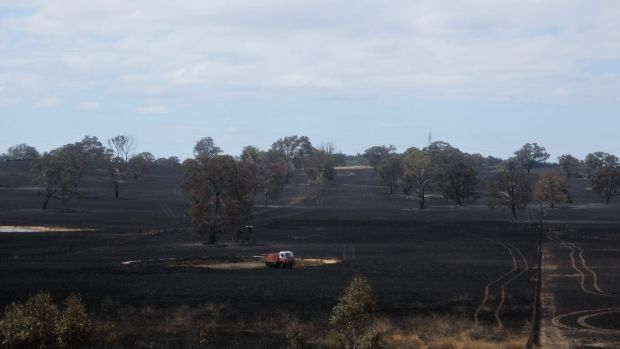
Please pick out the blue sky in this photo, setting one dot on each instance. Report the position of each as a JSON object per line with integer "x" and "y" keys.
{"x": 484, "y": 75}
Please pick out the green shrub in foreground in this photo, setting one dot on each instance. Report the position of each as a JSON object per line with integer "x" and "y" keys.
{"x": 39, "y": 324}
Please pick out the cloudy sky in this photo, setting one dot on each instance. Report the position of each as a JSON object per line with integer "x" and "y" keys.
{"x": 484, "y": 75}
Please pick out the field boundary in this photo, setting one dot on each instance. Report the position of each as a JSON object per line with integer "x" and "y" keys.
{"x": 535, "y": 322}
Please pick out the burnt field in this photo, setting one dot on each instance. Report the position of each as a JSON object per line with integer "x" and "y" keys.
{"x": 469, "y": 263}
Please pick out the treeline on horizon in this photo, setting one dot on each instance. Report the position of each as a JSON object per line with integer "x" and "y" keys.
{"x": 221, "y": 189}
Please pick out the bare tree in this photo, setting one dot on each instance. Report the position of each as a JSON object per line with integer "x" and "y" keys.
{"x": 512, "y": 188}
{"x": 607, "y": 183}
{"x": 531, "y": 155}
{"x": 117, "y": 159}
{"x": 122, "y": 146}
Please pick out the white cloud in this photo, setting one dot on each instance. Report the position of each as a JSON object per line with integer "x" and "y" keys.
{"x": 48, "y": 102}
{"x": 88, "y": 106}
{"x": 8, "y": 101}
{"x": 467, "y": 49}
{"x": 152, "y": 109}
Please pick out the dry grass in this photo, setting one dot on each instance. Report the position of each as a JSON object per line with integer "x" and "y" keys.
{"x": 444, "y": 332}
{"x": 315, "y": 262}
{"x": 39, "y": 229}
{"x": 464, "y": 342}
{"x": 246, "y": 263}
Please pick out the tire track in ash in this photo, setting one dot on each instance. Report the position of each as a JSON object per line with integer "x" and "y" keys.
{"x": 525, "y": 269}
{"x": 579, "y": 319}
{"x": 507, "y": 279}
{"x": 167, "y": 211}
{"x": 582, "y": 269}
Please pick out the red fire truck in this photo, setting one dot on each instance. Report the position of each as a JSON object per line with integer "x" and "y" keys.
{"x": 284, "y": 259}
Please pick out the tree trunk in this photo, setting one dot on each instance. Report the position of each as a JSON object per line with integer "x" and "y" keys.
{"x": 116, "y": 190}
{"x": 266, "y": 197}
{"x": 211, "y": 240}
{"x": 421, "y": 200}
{"x": 513, "y": 208}
{"x": 607, "y": 199}
{"x": 47, "y": 199}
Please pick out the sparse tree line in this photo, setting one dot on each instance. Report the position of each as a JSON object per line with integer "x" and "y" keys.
{"x": 60, "y": 170}
{"x": 221, "y": 189}
{"x": 455, "y": 174}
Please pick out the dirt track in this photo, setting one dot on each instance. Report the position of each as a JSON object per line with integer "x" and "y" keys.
{"x": 581, "y": 290}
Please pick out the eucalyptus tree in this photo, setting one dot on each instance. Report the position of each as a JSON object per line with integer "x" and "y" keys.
{"x": 607, "y": 183}
{"x": 512, "y": 188}
{"x": 531, "y": 155}
{"x": 417, "y": 174}
{"x": 219, "y": 193}
{"x": 552, "y": 188}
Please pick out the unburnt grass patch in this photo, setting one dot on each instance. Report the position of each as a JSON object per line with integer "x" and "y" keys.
{"x": 39, "y": 229}
{"x": 229, "y": 262}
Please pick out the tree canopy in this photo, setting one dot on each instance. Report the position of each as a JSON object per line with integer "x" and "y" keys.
{"x": 531, "y": 155}
{"x": 220, "y": 195}
{"x": 21, "y": 151}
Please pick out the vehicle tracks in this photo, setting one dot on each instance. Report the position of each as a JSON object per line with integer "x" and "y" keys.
{"x": 578, "y": 320}
{"x": 519, "y": 267}
{"x": 582, "y": 269}
{"x": 167, "y": 211}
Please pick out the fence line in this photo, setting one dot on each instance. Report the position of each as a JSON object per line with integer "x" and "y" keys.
{"x": 535, "y": 322}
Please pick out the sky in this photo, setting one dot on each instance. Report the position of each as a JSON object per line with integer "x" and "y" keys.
{"x": 486, "y": 76}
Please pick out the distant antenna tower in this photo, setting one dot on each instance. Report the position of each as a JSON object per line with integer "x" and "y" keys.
{"x": 430, "y": 138}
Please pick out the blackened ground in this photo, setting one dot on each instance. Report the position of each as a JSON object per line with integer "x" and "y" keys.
{"x": 436, "y": 261}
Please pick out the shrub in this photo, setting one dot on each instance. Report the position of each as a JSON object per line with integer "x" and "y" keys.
{"x": 39, "y": 324}
{"x": 75, "y": 326}
{"x": 31, "y": 325}
{"x": 296, "y": 332}
{"x": 207, "y": 332}
{"x": 15, "y": 327}
{"x": 352, "y": 315}
{"x": 370, "y": 340}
